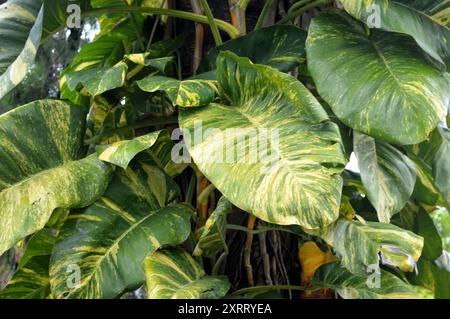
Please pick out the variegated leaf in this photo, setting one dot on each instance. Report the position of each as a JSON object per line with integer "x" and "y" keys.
{"x": 388, "y": 175}
{"x": 144, "y": 59}
{"x": 380, "y": 84}
{"x": 213, "y": 235}
{"x": 188, "y": 93}
{"x": 174, "y": 274}
{"x": 98, "y": 80}
{"x": 289, "y": 170}
{"x": 382, "y": 285}
{"x": 121, "y": 153}
{"x": 280, "y": 46}
{"x": 21, "y": 30}
{"x": 109, "y": 240}
{"x": 40, "y": 144}
{"x": 359, "y": 245}
{"x": 427, "y": 21}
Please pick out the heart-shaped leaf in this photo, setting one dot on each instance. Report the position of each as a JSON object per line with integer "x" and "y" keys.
{"x": 98, "y": 80}
{"x": 427, "y": 21}
{"x": 288, "y": 172}
{"x": 380, "y": 84}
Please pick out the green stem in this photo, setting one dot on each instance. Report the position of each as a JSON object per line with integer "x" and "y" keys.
{"x": 274, "y": 287}
{"x": 191, "y": 189}
{"x": 302, "y": 10}
{"x": 203, "y": 197}
{"x": 225, "y": 26}
{"x": 259, "y": 230}
{"x": 136, "y": 28}
{"x": 298, "y": 5}
{"x": 211, "y": 22}
{"x": 143, "y": 124}
{"x": 218, "y": 265}
{"x": 264, "y": 13}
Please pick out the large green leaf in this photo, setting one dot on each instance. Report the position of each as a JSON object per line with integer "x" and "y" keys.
{"x": 427, "y": 21}
{"x": 292, "y": 175}
{"x": 188, "y": 93}
{"x": 174, "y": 274}
{"x": 351, "y": 286}
{"x": 380, "y": 84}
{"x": 213, "y": 235}
{"x": 281, "y": 46}
{"x": 359, "y": 245}
{"x": 121, "y": 153}
{"x": 98, "y": 80}
{"x": 388, "y": 175}
{"x": 110, "y": 239}
{"x": 40, "y": 144}
{"x": 21, "y": 30}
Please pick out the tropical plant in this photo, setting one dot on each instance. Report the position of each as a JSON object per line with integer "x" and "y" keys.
{"x": 100, "y": 196}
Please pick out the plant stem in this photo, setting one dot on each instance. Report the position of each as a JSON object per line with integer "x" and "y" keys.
{"x": 264, "y": 13}
{"x": 211, "y": 22}
{"x": 203, "y": 197}
{"x": 259, "y": 230}
{"x": 238, "y": 16}
{"x": 298, "y": 5}
{"x": 155, "y": 25}
{"x": 135, "y": 26}
{"x": 225, "y": 26}
{"x": 199, "y": 38}
{"x": 248, "y": 250}
{"x": 218, "y": 265}
{"x": 191, "y": 189}
{"x": 302, "y": 10}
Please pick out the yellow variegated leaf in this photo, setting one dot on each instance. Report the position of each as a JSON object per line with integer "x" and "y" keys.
{"x": 188, "y": 93}
{"x": 273, "y": 151}
{"x": 21, "y": 29}
{"x": 109, "y": 240}
{"x": 359, "y": 245}
{"x": 121, "y": 153}
{"x": 40, "y": 170}
{"x": 381, "y": 285}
